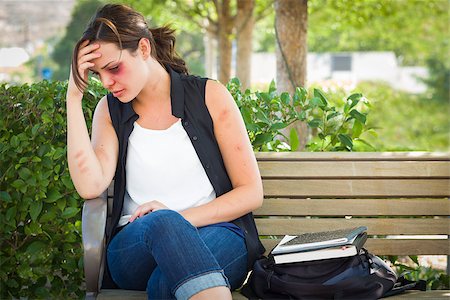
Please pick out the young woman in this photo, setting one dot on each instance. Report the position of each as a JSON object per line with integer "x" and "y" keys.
{"x": 186, "y": 178}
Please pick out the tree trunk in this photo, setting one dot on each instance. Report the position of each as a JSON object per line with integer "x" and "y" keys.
{"x": 244, "y": 32}
{"x": 291, "y": 21}
{"x": 210, "y": 43}
{"x": 225, "y": 23}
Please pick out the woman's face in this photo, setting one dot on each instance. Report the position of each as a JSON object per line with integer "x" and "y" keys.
{"x": 122, "y": 73}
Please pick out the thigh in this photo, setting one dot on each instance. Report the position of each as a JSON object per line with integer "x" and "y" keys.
{"x": 129, "y": 259}
{"x": 229, "y": 250}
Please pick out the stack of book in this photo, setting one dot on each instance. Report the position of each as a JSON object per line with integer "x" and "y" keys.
{"x": 320, "y": 245}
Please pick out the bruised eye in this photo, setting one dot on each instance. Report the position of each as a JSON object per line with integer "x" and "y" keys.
{"x": 115, "y": 69}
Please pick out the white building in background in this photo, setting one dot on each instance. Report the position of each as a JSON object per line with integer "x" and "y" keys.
{"x": 347, "y": 68}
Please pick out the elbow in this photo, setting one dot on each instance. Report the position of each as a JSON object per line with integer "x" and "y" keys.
{"x": 87, "y": 195}
{"x": 258, "y": 197}
{"x": 90, "y": 192}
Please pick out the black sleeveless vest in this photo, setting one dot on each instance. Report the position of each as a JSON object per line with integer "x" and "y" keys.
{"x": 187, "y": 94}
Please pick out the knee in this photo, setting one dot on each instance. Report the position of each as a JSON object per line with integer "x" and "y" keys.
{"x": 163, "y": 220}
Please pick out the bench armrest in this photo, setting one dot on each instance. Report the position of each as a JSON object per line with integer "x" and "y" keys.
{"x": 93, "y": 232}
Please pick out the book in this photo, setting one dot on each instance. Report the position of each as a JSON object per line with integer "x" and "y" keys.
{"x": 325, "y": 253}
{"x": 317, "y": 240}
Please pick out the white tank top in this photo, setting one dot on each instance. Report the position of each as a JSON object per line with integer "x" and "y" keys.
{"x": 162, "y": 165}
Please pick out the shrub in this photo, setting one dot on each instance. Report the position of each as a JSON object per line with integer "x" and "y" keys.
{"x": 266, "y": 114}
{"x": 41, "y": 251}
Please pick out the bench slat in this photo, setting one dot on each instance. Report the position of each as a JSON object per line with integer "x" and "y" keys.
{"x": 353, "y": 156}
{"x": 392, "y": 246}
{"x": 383, "y": 169}
{"x": 357, "y": 188}
{"x": 355, "y": 207}
{"x": 376, "y": 226}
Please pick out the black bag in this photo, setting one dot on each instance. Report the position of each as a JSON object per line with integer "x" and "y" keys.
{"x": 364, "y": 276}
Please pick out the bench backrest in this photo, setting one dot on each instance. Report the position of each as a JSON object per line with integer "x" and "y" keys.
{"x": 392, "y": 194}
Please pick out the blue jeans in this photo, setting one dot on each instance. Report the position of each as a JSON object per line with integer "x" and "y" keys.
{"x": 166, "y": 255}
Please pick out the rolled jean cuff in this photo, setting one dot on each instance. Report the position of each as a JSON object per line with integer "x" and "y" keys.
{"x": 201, "y": 282}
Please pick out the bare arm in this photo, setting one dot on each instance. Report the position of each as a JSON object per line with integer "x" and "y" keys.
{"x": 239, "y": 159}
{"x": 91, "y": 164}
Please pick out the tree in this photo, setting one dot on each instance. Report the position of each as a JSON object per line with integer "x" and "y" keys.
{"x": 291, "y": 20}
{"x": 62, "y": 54}
{"x": 244, "y": 33}
{"x": 221, "y": 21}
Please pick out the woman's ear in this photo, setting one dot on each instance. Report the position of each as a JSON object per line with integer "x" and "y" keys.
{"x": 144, "y": 48}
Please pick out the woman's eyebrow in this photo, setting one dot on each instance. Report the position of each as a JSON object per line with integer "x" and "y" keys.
{"x": 107, "y": 64}
{"x": 91, "y": 69}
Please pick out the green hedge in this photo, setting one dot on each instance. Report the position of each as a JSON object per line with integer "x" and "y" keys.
{"x": 41, "y": 251}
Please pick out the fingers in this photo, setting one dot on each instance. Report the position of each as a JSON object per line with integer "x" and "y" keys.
{"x": 146, "y": 208}
{"x": 85, "y": 49}
{"x": 89, "y": 57}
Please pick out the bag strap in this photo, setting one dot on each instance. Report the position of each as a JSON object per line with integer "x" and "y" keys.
{"x": 404, "y": 284}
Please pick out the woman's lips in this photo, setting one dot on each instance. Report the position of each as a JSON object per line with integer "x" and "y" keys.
{"x": 118, "y": 93}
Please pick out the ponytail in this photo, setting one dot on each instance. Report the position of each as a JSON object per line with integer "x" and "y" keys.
{"x": 164, "y": 38}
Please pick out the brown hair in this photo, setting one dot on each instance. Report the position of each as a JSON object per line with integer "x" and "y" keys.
{"x": 123, "y": 26}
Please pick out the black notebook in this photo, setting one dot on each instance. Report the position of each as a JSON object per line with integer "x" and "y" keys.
{"x": 317, "y": 240}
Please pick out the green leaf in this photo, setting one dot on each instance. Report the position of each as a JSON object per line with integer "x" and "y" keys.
{"x": 354, "y": 98}
{"x": 36, "y": 247}
{"x": 24, "y": 173}
{"x": 346, "y": 140}
{"x": 35, "y": 209}
{"x": 333, "y": 115}
{"x": 70, "y": 212}
{"x": 285, "y": 98}
{"x": 61, "y": 203}
{"x": 366, "y": 143}
{"x": 359, "y": 116}
{"x": 67, "y": 182}
{"x": 18, "y": 184}
{"x": 36, "y": 159}
{"x": 272, "y": 86}
{"x": 278, "y": 126}
{"x": 293, "y": 139}
{"x": 14, "y": 142}
{"x": 246, "y": 115}
{"x": 415, "y": 259}
{"x": 318, "y": 94}
{"x": 314, "y": 123}
{"x": 35, "y": 129}
{"x": 357, "y": 128}
{"x": 5, "y": 197}
{"x": 235, "y": 81}
{"x": 316, "y": 102}
{"x": 262, "y": 138}
{"x": 11, "y": 213}
{"x": 53, "y": 195}
{"x": 262, "y": 117}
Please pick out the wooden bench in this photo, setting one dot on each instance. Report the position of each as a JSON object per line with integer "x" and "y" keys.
{"x": 396, "y": 195}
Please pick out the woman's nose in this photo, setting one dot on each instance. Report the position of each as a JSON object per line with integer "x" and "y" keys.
{"x": 108, "y": 81}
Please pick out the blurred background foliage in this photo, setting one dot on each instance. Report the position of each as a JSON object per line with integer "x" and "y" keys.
{"x": 417, "y": 32}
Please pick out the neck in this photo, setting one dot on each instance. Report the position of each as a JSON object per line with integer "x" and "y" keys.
{"x": 157, "y": 89}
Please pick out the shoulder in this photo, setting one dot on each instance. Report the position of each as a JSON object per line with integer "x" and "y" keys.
{"x": 102, "y": 110}
{"x": 218, "y": 99}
